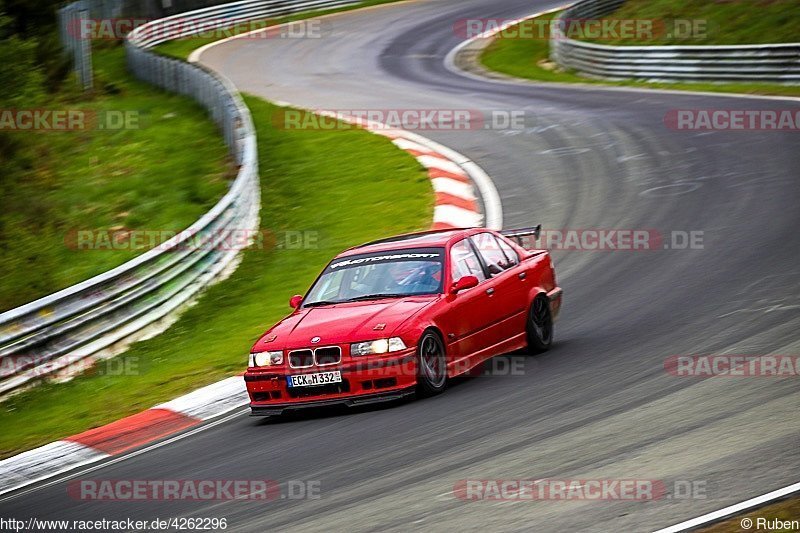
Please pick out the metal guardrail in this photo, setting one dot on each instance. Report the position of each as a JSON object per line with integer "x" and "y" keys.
{"x": 779, "y": 63}
{"x": 222, "y": 16}
{"x": 101, "y": 315}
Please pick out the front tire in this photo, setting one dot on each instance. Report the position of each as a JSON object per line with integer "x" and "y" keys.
{"x": 540, "y": 325}
{"x": 431, "y": 365}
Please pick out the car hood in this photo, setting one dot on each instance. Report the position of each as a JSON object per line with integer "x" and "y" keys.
{"x": 342, "y": 323}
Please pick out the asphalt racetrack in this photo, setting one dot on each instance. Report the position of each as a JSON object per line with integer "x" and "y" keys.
{"x": 600, "y": 404}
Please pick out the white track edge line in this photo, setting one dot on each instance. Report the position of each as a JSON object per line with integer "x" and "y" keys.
{"x": 733, "y": 509}
{"x": 493, "y": 209}
{"x": 450, "y": 64}
{"x": 99, "y": 456}
{"x": 194, "y": 57}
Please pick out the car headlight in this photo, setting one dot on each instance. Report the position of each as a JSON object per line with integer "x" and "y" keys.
{"x": 266, "y": 358}
{"x": 379, "y": 346}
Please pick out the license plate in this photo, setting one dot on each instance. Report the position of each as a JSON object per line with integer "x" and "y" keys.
{"x": 309, "y": 380}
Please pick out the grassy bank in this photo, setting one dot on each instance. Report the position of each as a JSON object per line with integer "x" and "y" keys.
{"x": 529, "y": 59}
{"x": 342, "y": 187}
{"x": 707, "y": 23}
{"x": 137, "y": 176}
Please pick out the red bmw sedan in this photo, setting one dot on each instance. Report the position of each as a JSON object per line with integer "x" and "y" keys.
{"x": 402, "y": 315}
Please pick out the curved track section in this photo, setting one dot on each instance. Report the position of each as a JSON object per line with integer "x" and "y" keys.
{"x": 599, "y": 405}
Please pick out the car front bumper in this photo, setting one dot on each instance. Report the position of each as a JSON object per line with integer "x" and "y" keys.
{"x": 352, "y": 401}
{"x": 372, "y": 380}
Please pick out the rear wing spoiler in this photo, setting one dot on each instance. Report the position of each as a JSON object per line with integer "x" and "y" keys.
{"x": 519, "y": 234}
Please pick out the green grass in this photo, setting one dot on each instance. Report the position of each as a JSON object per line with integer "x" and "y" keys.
{"x": 728, "y": 22}
{"x": 529, "y": 59}
{"x": 99, "y": 179}
{"x": 346, "y": 186}
{"x": 182, "y": 48}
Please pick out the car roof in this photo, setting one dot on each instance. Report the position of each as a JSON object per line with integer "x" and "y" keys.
{"x": 422, "y": 239}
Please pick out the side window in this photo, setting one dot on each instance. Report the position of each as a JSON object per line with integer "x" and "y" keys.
{"x": 496, "y": 261}
{"x": 510, "y": 253}
{"x": 464, "y": 262}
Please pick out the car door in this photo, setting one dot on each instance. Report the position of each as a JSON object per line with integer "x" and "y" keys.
{"x": 508, "y": 299}
{"x": 465, "y": 319}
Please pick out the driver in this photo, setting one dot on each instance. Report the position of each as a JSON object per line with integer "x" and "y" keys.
{"x": 423, "y": 279}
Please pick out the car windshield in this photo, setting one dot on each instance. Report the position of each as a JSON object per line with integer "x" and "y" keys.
{"x": 390, "y": 274}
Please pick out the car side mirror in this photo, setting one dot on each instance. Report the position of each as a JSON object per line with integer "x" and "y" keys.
{"x": 467, "y": 282}
{"x": 295, "y": 301}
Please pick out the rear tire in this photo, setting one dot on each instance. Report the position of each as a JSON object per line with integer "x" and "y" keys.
{"x": 431, "y": 365}
{"x": 540, "y": 325}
